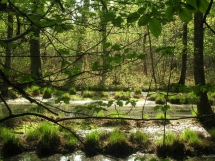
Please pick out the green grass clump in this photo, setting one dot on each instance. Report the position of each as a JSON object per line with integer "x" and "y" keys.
{"x": 160, "y": 115}
{"x": 72, "y": 91}
{"x": 160, "y": 99}
{"x": 174, "y": 99}
{"x": 137, "y": 93}
{"x": 33, "y": 90}
{"x": 117, "y": 137}
{"x": 191, "y": 137}
{"x": 212, "y": 133}
{"x": 139, "y": 137}
{"x": 122, "y": 95}
{"x": 11, "y": 144}
{"x": 170, "y": 138}
{"x": 92, "y": 138}
{"x": 48, "y": 138}
{"x": 89, "y": 94}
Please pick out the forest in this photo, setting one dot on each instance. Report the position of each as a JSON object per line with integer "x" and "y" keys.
{"x": 68, "y": 66}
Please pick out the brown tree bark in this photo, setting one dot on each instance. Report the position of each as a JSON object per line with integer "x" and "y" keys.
{"x": 184, "y": 56}
{"x": 4, "y": 89}
{"x": 203, "y": 106}
{"x": 35, "y": 54}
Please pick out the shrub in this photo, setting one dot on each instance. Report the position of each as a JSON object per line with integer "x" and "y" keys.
{"x": 191, "y": 137}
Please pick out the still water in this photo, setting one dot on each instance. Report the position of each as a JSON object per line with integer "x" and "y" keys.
{"x": 80, "y": 156}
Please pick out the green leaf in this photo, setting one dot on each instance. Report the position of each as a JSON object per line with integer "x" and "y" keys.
{"x": 143, "y": 20}
{"x": 66, "y": 100}
{"x": 169, "y": 12}
{"x": 185, "y": 15}
{"x": 95, "y": 65}
{"x": 117, "y": 21}
{"x": 110, "y": 103}
{"x": 119, "y": 103}
{"x": 141, "y": 10}
{"x": 155, "y": 27}
{"x": 142, "y": 56}
{"x": 116, "y": 47}
{"x": 133, "y": 17}
{"x": 202, "y": 5}
{"x": 192, "y": 3}
{"x": 107, "y": 45}
{"x": 25, "y": 78}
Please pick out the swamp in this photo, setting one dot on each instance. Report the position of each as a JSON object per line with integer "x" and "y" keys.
{"x": 127, "y": 80}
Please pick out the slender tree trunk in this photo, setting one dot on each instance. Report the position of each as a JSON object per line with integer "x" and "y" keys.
{"x": 203, "y": 105}
{"x": 152, "y": 59}
{"x": 184, "y": 56}
{"x": 104, "y": 41}
{"x": 144, "y": 51}
{"x": 35, "y": 54}
{"x": 4, "y": 90}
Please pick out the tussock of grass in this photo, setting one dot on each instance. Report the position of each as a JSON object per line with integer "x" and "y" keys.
{"x": 191, "y": 137}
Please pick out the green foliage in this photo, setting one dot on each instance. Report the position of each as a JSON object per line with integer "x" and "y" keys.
{"x": 191, "y": 137}
{"x": 37, "y": 132}
{"x": 92, "y": 138}
{"x": 122, "y": 95}
{"x": 194, "y": 111}
{"x": 161, "y": 116}
{"x": 212, "y": 133}
{"x": 117, "y": 137}
{"x": 72, "y": 90}
{"x": 89, "y": 94}
{"x": 11, "y": 144}
{"x": 65, "y": 97}
{"x": 170, "y": 138}
{"x": 139, "y": 137}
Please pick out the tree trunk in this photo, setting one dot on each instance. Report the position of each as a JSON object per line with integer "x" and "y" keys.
{"x": 203, "y": 106}
{"x": 104, "y": 41}
{"x": 184, "y": 56}
{"x": 35, "y": 54}
{"x": 4, "y": 90}
{"x": 144, "y": 52}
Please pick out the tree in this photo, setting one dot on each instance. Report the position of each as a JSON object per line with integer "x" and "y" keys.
{"x": 203, "y": 106}
{"x": 183, "y": 56}
{"x": 36, "y": 69}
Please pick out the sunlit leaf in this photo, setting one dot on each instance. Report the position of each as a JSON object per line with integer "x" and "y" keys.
{"x": 155, "y": 27}
{"x": 169, "y": 12}
{"x": 119, "y": 103}
{"x": 185, "y": 14}
{"x": 202, "y": 5}
{"x": 143, "y": 20}
{"x": 133, "y": 17}
{"x": 192, "y": 3}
